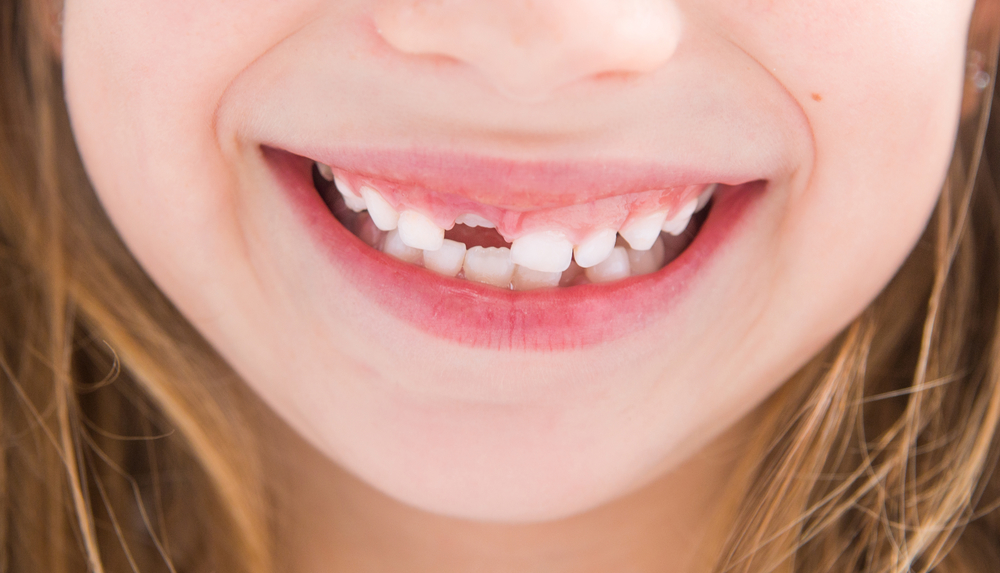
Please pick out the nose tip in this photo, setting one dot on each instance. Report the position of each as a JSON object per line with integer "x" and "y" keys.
{"x": 528, "y": 48}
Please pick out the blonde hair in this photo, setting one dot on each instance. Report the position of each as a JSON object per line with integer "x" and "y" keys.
{"x": 125, "y": 445}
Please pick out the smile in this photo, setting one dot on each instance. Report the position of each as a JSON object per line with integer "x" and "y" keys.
{"x": 493, "y": 273}
{"x": 606, "y": 240}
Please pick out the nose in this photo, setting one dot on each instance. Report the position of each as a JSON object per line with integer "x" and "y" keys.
{"x": 528, "y": 48}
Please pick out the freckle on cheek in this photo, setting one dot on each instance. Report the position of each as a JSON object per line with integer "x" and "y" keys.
{"x": 817, "y": 97}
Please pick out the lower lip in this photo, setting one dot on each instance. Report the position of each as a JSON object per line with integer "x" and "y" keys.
{"x": 481, "y": 316}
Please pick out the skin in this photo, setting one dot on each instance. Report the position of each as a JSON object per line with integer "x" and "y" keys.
{"x": 576, "y": 460}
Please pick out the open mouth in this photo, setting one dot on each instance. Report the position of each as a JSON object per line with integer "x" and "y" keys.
{"x": 602, "y": 241}
{"x": 529, "y": 273}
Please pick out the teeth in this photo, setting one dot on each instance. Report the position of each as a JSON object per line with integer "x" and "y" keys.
{"x": 527, "y": 279}
{"x": 419, "y": 232}
{"x": 705, "y": 197}
{"x": 353, "y": 201}
{"x": 642, "y": 232}
{"x": 473, "y": 220}
{"x": 446, "y": 260}
{"x": 595, "y": 248}
{"x": 676, "y": 225}
{"x": 382, "y": 213}
{"x": 545, "y": 251}
{"x": 395, "y": 247}
{"x": 541, "y": 259}
{"x": 490, "y": 265}
{"x": 615, "y": 267}
{"x": 325, "y": 171}
{"x": 369, "y": 233}
{"x": 645, "y": 262}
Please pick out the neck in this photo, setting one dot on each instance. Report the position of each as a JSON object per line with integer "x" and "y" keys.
{"x": 330, "y": 521}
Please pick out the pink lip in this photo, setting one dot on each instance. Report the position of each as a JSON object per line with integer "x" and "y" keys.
{"x": 481, "y": 316}
{"x": 518, "y": 185}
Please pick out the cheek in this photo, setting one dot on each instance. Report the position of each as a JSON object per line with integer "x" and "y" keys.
{"x": 880, "y": 86}
{"x": 143, "y": 81}
{"x": 859, "y": 68}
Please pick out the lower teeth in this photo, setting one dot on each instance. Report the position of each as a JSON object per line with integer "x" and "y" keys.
{"x": 486, "y": 256}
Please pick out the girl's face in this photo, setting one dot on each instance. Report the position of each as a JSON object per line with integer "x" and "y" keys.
{"x": 827, "y": 126}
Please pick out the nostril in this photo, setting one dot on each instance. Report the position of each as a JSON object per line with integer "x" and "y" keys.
{"x": 527, "y": 49}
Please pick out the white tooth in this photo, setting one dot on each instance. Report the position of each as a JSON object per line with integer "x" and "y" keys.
{"x": 447, "y": 260}
{"x": 382, "y": 213}
{"x": 353, "y": 201}
{"x": 641, "y": 233}
{"x": 615, "y": 267}
{"x": 419, "y": 232}
{"x": 546, "y": 251}
{"x": 356, "y": 204}
{"x": 325, "y": 171}
{"x": 595, "y": 248}
{"x": 677, "y": 223}
{"x": 705, "y": 197}
{"x": 473, "y": 220}
{"x": 490, "y": 265}
{"x": 395, "y": 247}
{"x": 645, "y": 262}
{"x": 528, "y": 279}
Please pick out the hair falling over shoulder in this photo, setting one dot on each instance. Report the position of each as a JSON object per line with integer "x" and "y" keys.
{"x": 125, "y": 444}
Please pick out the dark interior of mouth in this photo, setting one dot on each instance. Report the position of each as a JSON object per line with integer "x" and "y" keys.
{"x": 642, "y": 262}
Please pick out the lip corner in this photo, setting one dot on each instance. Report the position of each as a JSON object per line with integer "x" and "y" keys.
{"x": 481, "y": 316}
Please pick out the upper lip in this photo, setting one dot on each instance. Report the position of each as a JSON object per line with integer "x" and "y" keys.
{"x": 700, "y": 120}
{"x": 518, "y": 185}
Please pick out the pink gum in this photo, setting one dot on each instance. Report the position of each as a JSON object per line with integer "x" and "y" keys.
{"x": 576, "y": 221}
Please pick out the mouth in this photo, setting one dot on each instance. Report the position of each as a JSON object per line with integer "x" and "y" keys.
{"x": 507, "y": 268}
{"x": 610, "y": 239}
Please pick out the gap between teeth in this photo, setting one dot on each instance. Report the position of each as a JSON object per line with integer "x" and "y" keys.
{"x": 534, "y": 260}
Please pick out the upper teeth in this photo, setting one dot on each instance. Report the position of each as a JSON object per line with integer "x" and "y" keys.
{"x": 353, "y": 201}
{"x": 705, "y": 197}
{"x": 676, "y": 224}
{"x": 595, "y": 248}
{"x": 547, "y": 253}
{"x": 325, "y": 171}
{"x": 643, "y": 231}
{"x": 473, "y": 220}
{"x": 382, "y": 213}
{"x": 419, "y": 232}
